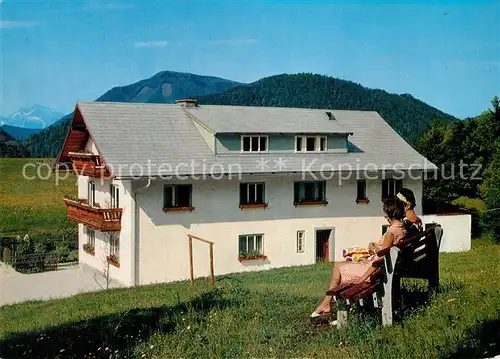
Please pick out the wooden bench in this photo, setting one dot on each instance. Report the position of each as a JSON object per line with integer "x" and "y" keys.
{"x": 416, "y": 256}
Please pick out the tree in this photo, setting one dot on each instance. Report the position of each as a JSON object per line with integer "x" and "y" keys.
{"x": 496, "y": 107}
{"x": 107, "y": 259}
{"x": 490, "y": 190}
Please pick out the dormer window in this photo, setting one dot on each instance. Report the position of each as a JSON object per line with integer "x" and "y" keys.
{"x": 253, "y": 143}
{"x": 310, "y": 144}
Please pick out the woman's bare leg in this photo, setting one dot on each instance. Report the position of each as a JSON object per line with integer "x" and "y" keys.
{"x": 335, "y": 278}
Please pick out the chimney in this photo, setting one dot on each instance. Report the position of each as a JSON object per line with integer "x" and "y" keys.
{"x": 187, "y": 102}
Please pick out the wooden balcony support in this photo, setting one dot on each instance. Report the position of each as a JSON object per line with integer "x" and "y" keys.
{"x": 101, "y": 219}
{"x": 89, "y": 164}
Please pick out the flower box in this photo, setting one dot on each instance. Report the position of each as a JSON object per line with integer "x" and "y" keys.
{"x": 87, "y": 248}
{"x": 178, "y": 209}
{"x": 254, "y": 205}
{"x": 311, "y": 203}
{"x": 362, "y": 201}
{"x": 252, "y": 258}
{"x": 114, "y": 261}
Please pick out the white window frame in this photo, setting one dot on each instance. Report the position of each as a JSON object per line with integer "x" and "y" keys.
{"x": 90, "y": 236}
{"x": 252, "y": 237}
{"x": 114, "y": 248}
{"x": 174, "y": 203}
{"x": 317, "y": 144}
{"x": 259, "y": 137}
{"x": 301, "y": 241}
{"x": 91, "y": 193}
{"x": 114, "y": 196}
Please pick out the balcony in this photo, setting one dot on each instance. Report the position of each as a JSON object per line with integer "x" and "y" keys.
{"x": 89, "y": 164}
{"x": 101, "y": 219}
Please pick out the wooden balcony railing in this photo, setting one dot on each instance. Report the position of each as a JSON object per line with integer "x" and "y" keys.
{"x": 101, "y": 219}
{"x": 88, "y": 164}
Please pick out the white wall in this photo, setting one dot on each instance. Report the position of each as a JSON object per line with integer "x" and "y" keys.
{"x": 456, "y": 231}
{"x": 98, "y": 260}
{"x": 162, "y": 253}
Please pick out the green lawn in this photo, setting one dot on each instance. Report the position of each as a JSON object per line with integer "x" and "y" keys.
{"x": 31, "y": 199}
{"x": 263, "y": 314}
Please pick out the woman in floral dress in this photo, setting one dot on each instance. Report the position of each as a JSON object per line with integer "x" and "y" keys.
{"x": 355, "y": 273}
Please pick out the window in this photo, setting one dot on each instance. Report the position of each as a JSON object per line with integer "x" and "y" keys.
{"x": 90, "y": 237}
{"x": 115, "y": 196}
{"x": 310, "y": 144}
{"x": 178, "y": 196}
{"x": 361, "y": 192}
{"x": 301, "y": 241}
{"x": 309, "y": 192}
{"x": 114, "y": 246}
{"x": 252, "y": 193}
{"x": 298, "y": 144}
{"x": 322, "y": 144}
{"x": 254, "y": 143}
{"x": 91, "y": 193}
{"x": 251, "y": 244}
{"x": 390, "y": 187}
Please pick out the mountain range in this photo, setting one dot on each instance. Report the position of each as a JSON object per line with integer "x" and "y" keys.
{"x": 406, "y": 114}
{"x": 29, "y": 120}
{"x": 33, "y": 117}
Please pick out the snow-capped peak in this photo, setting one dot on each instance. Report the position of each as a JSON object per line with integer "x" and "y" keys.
{"x": 36, "y": 117}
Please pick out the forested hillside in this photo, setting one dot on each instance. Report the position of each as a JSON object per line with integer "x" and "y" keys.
{"x": 407, "y": 115}
{"x": 19, "y": 133}
{"x": 11, "y": 148}
{"x": 48, "y": 142}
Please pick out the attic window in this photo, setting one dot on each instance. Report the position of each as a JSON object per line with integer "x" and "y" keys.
{"x": 310, "y": 144}
{"x": 330, "y": 115}
{"x": 253, "y": 143}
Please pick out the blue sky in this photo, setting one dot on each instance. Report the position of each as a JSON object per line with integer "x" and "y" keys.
{"x": 445, "y": 53}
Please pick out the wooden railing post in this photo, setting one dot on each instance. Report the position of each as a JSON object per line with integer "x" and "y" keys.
{"x": 211, "y": 248}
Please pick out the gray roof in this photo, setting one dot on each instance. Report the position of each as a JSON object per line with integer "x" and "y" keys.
{"x": 148, "y": 140}
{"x": 237, "y": 119}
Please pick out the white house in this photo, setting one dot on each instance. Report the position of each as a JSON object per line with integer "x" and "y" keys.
{"x": 271, "y": 187}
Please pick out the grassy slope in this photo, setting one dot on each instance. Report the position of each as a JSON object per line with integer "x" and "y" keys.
{"x": 31, "y": 206}
{"x": 262, "y": 315}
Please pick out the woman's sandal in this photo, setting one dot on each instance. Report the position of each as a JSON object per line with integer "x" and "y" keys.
{"x": 322, "y": 314}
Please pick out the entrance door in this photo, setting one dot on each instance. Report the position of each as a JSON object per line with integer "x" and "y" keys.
{"x": 322, "y": 245}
